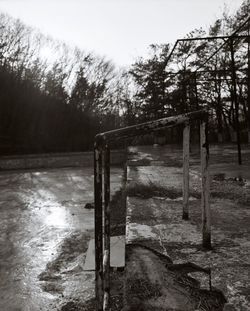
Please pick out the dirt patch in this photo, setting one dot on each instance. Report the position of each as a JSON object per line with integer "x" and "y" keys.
{"x": 116, "y": 296}
{"x": 152, "y": 285}
{"x": 72, "y": 250}
{"x": 142, "y": 289}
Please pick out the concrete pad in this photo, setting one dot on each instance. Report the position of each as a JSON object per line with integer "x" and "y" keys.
{"x": 157, "y": 223}
{"x": 117, "y": 253}
{"x": 44, "y": 234}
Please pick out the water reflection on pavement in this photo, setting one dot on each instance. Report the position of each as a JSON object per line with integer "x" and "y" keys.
{"x": 38, "y": 212}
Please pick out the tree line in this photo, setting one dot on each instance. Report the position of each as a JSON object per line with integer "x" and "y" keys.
{"x": 56, "y": 98}
{"x": 52, "y": 97}
{"x": 186, "y": 81}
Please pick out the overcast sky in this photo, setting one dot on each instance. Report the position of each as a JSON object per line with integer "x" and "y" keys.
{"x": 121, "y": 30}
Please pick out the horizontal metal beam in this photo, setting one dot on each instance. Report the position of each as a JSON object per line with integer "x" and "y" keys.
{"x": 144, "y": 128}
{"x": 214, "y": 38}
{"x": 226, "y": 38}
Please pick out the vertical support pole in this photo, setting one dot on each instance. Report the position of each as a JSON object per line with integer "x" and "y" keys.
{"x": 235, "y": 101}
{"x": 106, "y": 259}
{"x": 124, "y": 185}
{"x": 186, "y": 147}
{"x": 205, "y": 188}
{"x": 98, "y": 227}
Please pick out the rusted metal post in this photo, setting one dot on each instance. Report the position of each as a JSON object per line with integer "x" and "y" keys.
{"x": 205, "y": 188}
{"x": 150, "y": 126}
{"x": 106, "y": 259}
{"x": 186, "y": 141}
{"x": 102, "y": 259}
{"x": 98, "y": 227}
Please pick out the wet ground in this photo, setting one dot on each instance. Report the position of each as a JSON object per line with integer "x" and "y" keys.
{"x": 155, "y": 215}
{"x": 45, "y": 230}
{"x": 44, "y": 235}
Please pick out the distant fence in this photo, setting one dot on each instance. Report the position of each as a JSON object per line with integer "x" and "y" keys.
{"x": 56, "y": 160}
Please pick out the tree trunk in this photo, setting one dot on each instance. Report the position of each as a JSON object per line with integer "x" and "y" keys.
{"x": 248, "y": 88}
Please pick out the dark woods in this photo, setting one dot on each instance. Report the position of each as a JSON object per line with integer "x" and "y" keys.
{"x": 55, "y": 98}
{"x": 50, "y": 104}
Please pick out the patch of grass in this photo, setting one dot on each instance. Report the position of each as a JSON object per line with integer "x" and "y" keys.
{"x": 79, "y": 306}
{"x": 172, "y": 162}
{"x": 151, "y": 189}
{"x": 231, "y": 190}
{"x": 139, "y": 162}
{"x": 237, "y": 181}
{"x": 118, "y": 213}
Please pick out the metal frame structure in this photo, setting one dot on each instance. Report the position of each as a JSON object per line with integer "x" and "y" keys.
{"x": 103, "y": 141}
{"x": 229, "y": 39}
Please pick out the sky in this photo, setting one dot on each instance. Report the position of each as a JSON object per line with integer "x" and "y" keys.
{"x": 120, "y": 30}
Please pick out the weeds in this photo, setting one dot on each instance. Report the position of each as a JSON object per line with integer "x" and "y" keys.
{"x": 151, "y": 189}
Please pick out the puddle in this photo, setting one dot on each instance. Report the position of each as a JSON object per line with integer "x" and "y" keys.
{"x": 44, "y": 235}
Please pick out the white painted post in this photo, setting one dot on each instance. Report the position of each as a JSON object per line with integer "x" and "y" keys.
{"x": 186, "y": 142}
{"x": 205, "y": 188}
